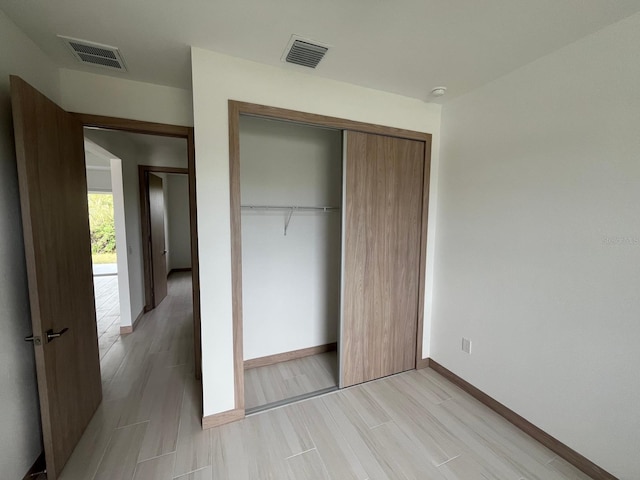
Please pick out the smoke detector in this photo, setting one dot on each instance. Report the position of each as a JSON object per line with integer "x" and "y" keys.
{"x": 304, "y": 52}
{"x": 95, "y": 54}
{"x": 439, "y": 91}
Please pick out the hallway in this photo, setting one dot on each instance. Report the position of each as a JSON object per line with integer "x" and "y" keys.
{"x": 105, "y": 288}
{"x": 144, "y": 377}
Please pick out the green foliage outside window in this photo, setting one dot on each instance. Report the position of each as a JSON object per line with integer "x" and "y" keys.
{"x": 102, "y": 224}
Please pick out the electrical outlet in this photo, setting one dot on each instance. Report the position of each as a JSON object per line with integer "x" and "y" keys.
{"x": 466, "y": 345}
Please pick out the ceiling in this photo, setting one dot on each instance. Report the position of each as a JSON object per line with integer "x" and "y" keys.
{"x": 103, "y": 145}
{"x": 94, "y": 157}
{"x": 401, "y": 46}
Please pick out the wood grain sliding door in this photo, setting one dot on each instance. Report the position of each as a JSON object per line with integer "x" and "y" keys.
{"x": 383, "y": 225}
{"x": 53, "y": 199}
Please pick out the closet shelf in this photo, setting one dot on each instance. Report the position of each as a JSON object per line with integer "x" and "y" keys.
{"x": 290, "y": 209}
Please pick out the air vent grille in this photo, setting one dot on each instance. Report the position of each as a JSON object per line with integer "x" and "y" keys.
{"x": 95, "y": 54}
{"x": 304, "y": 52}
{"x": 105, "y": 62}
{"x": 90, "y": 50}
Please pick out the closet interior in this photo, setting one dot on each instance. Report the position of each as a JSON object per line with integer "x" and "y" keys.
{"x": 291, "y": 191}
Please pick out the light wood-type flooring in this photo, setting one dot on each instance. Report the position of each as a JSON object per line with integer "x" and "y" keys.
{"x": 415, "y": 425}
{"x": 105, "y": 289}
{"x": 286, "y": 380}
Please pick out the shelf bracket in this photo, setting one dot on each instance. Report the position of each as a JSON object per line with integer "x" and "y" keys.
{"x": 287, "y": 220}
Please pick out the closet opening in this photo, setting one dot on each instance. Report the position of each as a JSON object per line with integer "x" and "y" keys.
{"x": 328, "y": 250}
{"x": 291, "y": 189}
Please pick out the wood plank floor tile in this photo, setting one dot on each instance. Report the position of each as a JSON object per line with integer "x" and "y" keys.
{"x": 414, "y": 425}
{"x": 480, "y": 446}
{"x": 330, "y": 443}
{"x": 232, "y": 446}
{"x": 87, "y": 455}
{"x": 143, "y": 392}
{"x": 162, "y": 434}
{"x": 465, "y": 467}
{"x": 357, "y": 433}
{"x": 110, "y": 363}
{"x": 202, "y": 474}
{"x": 285, "y": 430}
{"x": 425, "y": 386}
{"x": 308, "y": 466}
{"x": 121, "y": 456}
{"x": 273, "y": 383}
{"x": 107, "y": 303}
{"x": 452, "y": 390}
{"x": 268, "y": 448}
{"x": 181, "y": 348}
{"x": 565, "y": 470}
{"x": 193, "y": 450}
{"x": 514, "y": 450}
{"x": 474, "y": 411}
{"x": 367, "y": 407}
{"x": 402, "y": 454}
{"x": 130, "y": 372}
{"x": 437, "y": 442}
{"x": 158, "y": 468}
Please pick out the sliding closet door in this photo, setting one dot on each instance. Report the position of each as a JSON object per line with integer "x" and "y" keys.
{"x": 383, "y": 218}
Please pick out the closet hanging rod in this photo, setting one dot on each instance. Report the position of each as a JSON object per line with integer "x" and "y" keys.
{"x": 290, "y": 207}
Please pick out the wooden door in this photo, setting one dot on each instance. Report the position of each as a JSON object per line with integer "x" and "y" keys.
{"x": 158, "y": 247}
{"x": 55, "y": 222}
{"x": 383, "y": 221}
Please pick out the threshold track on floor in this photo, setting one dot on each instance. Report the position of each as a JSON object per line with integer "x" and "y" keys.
{"x": 287, "y": 401}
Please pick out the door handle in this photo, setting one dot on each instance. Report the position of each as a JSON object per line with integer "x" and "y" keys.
{"x": 51, "y": 335}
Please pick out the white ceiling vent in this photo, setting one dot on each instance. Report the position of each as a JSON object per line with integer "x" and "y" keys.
{"x": 95, "y": 54}
{"x": 302, "y": 51}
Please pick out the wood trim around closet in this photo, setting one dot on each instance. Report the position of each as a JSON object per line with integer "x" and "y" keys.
{"x": 237, "y": 108}
{"x": 292, "y": 355}
{"x": 315, "y": 120}
{"x": 236, "y": 253}
{"x": 422, "y": 278}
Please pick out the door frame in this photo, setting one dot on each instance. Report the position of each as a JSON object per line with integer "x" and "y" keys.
{"x": 145, "y": 223}
{"x": 176, "y": 131}
{"x": 237, "y": 108}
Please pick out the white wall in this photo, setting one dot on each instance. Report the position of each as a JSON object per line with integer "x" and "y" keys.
{"x": 177, "y": 226}
{"x": 290, "y": 284}
{"x": 538, "y": 244}
{"x": 119, "y": 217}
{"x": 179, "y": 222}
{"x": 20, "y": 436}
{"x": 84, "y": 92}
{"x": 216, "y": 79}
